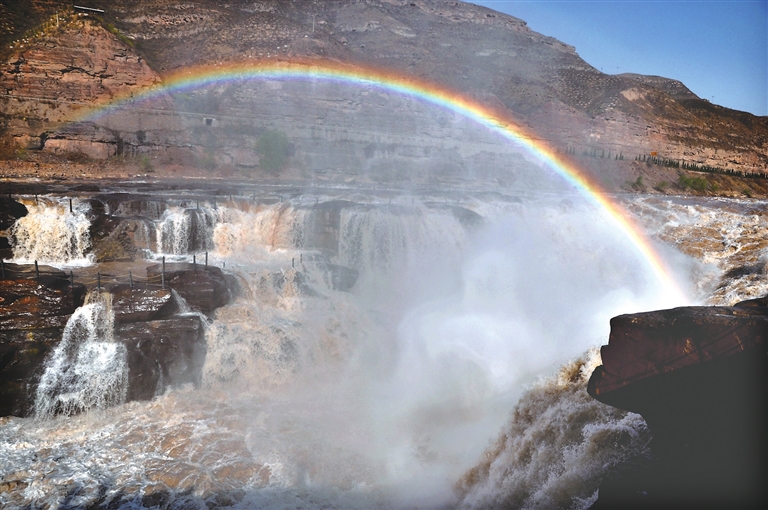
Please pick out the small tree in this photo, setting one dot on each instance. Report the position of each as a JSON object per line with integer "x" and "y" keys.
{"x": 273, "y": 149}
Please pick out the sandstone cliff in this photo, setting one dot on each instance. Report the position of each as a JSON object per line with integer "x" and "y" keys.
{"x": 487, "y": 55}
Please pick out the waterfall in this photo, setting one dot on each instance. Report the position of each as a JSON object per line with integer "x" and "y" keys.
{"x": 88, "y": 368}
{"x": 180, "y": 231}
{"x": 394, "y": 246}
{"x": 51, "y": 234}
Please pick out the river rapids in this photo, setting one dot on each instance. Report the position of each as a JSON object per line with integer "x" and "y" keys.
{"x": 451, "y": 374}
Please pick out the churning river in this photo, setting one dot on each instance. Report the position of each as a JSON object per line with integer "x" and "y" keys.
{"x": 466, "y": 339}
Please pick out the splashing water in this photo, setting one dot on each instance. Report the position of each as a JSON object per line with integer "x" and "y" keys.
{"x": 180, "y": 231}
{"x": 51, "y": 234}
{"x": 557, "y": 446}
{"x": 384, "y": 396}
{"x": 88, "y": 368}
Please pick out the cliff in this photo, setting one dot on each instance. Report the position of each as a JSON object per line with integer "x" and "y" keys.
{"x": 697, "y": 375}
{"x": 345, "y": 133}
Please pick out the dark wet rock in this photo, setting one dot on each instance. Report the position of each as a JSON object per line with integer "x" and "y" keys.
{"x": 164, "y": 348}
{"x": 341, "y": 277}
{"x": 162, "y": 353}
{"x": 466, "y": 217}
{"x": 141, "y": 303}
{"x": 33, "y": 313}
{"x": 335, "y": 276}
{"x": 133, "y": 205}
{"x": 698, "y": 377}
{"x": 10, "y": 211}
{"x": 114, "y": 241}
{"x": 204, "y": 288}
{"x": 26, "y": 300}
{"x": 324, "y": 226}
{"x": 22, "y": 354}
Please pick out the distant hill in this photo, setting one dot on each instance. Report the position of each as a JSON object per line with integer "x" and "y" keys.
{"x": 490, "y": 56}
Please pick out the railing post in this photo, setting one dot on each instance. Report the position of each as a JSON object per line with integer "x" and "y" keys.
{"x": 162, "y": 275}
{"x": 70, "y": 205}
{"x": 206, "y": 259}
{"x": 194, "y": 263}
{"x": 2, "y": 266}
{"x": 130, "y": 278}
{"x": 37, "y": 271}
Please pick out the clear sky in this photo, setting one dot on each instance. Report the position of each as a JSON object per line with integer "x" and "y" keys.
{"x": 717, "y": 48}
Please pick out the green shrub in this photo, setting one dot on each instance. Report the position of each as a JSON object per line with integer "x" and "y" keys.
{"x": 145, "y": 163}
{"x": 694, "y": 183}
{"x": 273, "y": 148}
{"x": 661, "y": 186}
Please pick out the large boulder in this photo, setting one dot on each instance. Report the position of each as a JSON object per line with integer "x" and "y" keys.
{"x": 204, "y": 288}
{"x": 698, "y": 377}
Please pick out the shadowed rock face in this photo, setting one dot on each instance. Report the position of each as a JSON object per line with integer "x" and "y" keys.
{"x": 10, "y": 211}
{"x": 698, "y": 377}
{"x": 162, "y": 353}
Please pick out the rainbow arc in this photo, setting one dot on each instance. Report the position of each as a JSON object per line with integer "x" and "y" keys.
{"x": 491, "y": 118}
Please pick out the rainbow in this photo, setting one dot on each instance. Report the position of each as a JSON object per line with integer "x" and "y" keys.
{"x": 494, "y": 119}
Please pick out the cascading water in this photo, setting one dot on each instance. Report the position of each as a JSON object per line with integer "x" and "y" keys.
{"x": 180, "y": 231}
{"x": 386, "y": 395}
{"x": 88, "y": 368}
{"x": 52, "y": 234}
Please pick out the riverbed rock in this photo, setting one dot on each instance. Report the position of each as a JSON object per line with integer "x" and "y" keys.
{"x": 698, "y": 377}
{"x": 204, "y": 288}
{"x": 33, "y": 313}
{"x": 162, "y": 353}
{"x": 141, "y": 303}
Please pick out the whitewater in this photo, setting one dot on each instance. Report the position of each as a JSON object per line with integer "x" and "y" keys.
{"x": 451, "y": 374}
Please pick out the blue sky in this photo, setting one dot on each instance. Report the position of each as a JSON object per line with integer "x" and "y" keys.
{"x": 717, "y": 48}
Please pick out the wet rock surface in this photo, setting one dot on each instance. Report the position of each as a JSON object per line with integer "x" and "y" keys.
{"x": 204, "y": 288}
{"x": 162, "y": 353}
{"x": 164, "y": 347}
{"x": 10, "y": 211}
{"x": 141, "y": 303}
{"x": 33, "y": 313}
{"x": 698, "y": 377}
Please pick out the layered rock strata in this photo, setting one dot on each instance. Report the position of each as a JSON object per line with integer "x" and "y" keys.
{"x": 698, "y": 377}
{"x": 350, "y": 132}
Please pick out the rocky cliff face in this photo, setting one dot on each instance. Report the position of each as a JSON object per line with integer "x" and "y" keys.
{"x": 72, "y": 63}
{"x": 485, "y": 54}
